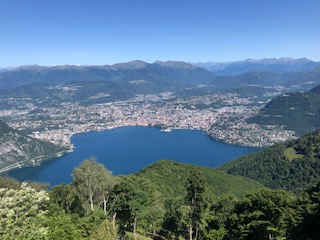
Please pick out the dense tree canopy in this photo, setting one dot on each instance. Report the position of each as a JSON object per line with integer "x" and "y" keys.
{"x": 132, "y": 207}
{"x": 293, "y": 166}
{"x": 23, "y": 213}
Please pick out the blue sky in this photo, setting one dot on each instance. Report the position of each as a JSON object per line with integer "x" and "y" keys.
{"x": 97, "y": 32}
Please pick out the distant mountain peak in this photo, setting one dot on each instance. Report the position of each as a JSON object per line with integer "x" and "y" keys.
{"x": 283, "y": 64}
{"x": 174, "y": 64}
{"x": 136, "y": 64}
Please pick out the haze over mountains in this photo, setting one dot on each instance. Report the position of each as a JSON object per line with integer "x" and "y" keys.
{"x": 253, "y": 65}
{"x": 121, "y": 81}
{"x": 172, "y": 74}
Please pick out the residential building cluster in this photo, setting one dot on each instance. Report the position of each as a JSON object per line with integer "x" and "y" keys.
{"x": 220, "y": 115}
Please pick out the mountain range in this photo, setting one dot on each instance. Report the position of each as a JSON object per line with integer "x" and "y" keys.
{"x": 156, "y": 76}
{"x": 125, "y": 80}
{"x": 110, "y": 83}
{"x": 259, "y": 65}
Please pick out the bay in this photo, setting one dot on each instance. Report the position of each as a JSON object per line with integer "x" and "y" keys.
{"x": 128, "y": 149}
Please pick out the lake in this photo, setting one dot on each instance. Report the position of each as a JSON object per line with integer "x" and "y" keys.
{"x": 128, "y": 149}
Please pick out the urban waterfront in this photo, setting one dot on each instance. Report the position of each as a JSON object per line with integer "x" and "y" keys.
{"x": 126, "y": 150}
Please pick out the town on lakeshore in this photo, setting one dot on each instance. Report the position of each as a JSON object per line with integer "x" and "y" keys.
{"x": 221, "y": 116}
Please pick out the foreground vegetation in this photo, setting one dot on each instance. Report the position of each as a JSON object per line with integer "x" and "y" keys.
{"x": 98, "y": 205}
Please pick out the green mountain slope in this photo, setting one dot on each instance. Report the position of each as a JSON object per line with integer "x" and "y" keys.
{"x": 17, "y": 149}
{"x": 292, "y": 165}
{"x": 170, "y": 178}
{"x": 296, "y": 111}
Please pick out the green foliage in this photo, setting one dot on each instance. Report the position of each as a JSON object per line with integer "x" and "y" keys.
{"x": 195, "y": 203}
{"x": 260, "y": 215}
{"x": 22, "y": 213}
{"x": 87, "y": 225}
{"x": 273, "y": 168}
{"x": 8, "y": 182}
{"x": 67, "y": 198}
{"x": 138, "y": 205}
{"x": 291, "y": 153}
{"x": 220, "y": 210}
{"x": 132, "y": 236}
{"x": 138, "y": 210}
{"x": 169, "y": 178}
{"x": 105, "y": 231}
{"x": 174, "y": 180}
{"x": 91, "y": 180}
{"x": 299, "y": 112}
{"x": 305, "y": 224}
{"x": 60, "y": 226}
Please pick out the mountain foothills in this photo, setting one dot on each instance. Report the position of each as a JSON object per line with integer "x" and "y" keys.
{"x": 166, "y": 200}
{"x": 293, "y": 165}
{"x": 299, "y": 111}
{"x": 20, "y": 150}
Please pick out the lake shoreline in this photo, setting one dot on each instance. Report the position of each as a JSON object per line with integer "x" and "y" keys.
{"x": 133, "y": 148}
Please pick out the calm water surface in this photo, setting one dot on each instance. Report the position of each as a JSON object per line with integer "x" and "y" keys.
{"x": 128, "y": 149}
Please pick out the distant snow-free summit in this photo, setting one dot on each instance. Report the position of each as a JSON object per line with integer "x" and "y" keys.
{"x": 254, "y": 65}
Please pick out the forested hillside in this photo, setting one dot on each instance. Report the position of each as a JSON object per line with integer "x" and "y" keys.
{"x": 169, "y": 178}
{"x": 295, "y": 111}
{"x": 98, "y": 205}
{"x": 18, "y": 149}
{"x": 293, "y": 165}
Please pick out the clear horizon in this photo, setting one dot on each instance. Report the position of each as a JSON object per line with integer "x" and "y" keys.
{"x": 27, "y": 65}
{"x": 116, "y": 31}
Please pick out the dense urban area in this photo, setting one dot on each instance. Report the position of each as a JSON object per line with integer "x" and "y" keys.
{"x": 221, "y": 116}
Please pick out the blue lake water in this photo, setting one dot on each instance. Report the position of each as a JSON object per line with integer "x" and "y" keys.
{"x": 128, "y": 149}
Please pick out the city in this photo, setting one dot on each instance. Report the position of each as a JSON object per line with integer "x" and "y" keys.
{"x": 220, "y": 115}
